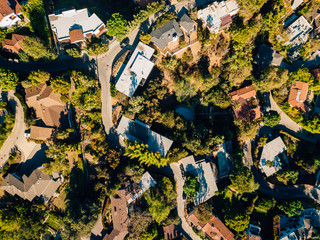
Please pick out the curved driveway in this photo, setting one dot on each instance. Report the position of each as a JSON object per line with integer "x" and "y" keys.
{"x": 16, "y": 138}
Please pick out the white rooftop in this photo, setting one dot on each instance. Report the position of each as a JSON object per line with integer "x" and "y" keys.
{"x": 138, "y": 67}
{"x": 134, "y": 130}
{"x": 296, "y": 4}
{"x": 206, "y": 178}
{"x": 62, "y": 23}
{"x": 271, "y": 152}
{"x": 211, "y": 16}
{"x": 299, "y": 32}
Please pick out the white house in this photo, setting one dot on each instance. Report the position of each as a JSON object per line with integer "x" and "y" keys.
{"x": 136, "y": 71}
{"x": 9, "y": 13}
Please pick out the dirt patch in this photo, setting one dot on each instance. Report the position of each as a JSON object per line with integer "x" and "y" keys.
{"x": 195, "y": 49}
{"x": 72, "y": 158}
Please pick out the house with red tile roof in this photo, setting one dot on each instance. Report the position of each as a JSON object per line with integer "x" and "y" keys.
{"x": 213, "y": 229}
{"x": 298, "y": 95}
{"x": 13, "y": 44}
{"x": 245, "y": 104}
{"x": 9, "y": 13}
{"x": 170, "y": 232}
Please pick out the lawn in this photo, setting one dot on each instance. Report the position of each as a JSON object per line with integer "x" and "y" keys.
{"x": 59, "y": 202}
{"x": 54, "y": 222}
{"x": 103, "y": 8}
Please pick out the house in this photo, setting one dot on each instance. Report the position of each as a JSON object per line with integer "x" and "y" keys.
{"x": 270, "y": 161}
{"x": 9, "y": 13}
{"x": 300, "y": 227}
{"x": 245, "y": 104}
{"x": 120, "y": 217}
{"x": 134, "y": 130}
{"x": 213, "y": 229}
{"x": 76, "y": 26}
{"x": 136, "y": 71}
{"x": 298, "y": 35}
{"x": 206, "y": 178}
{"x": 170, "y": 232}
{"x": 167, "y": 39}
{"x": 253, "y": 232}
{"x": 50, "y": 111}
{"x": 266, "y": 56}
{"x": 298, "y": 95}
{"x": 224, "y": 156}
{"x": 314, "y": 19}
{"x": 296, "y": 4}
{"x": 13, "y": 44}
{"x": 218, "y": 15}
{"x": 135, "y": 190}
{"x": 36, "y": 186}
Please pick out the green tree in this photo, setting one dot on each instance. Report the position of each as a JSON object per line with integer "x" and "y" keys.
{"x": 21, "y": 221}
{"x": 3, "y": 34}
{"x": 286, "y": 176}
{"x": 96, "y": 46}
{"x": 247, "y": 131}
{"x": 74, "y": 52}
{"x": 191, "y": 185}
{"x": 61, "y": 85}
{"x": 159, "y": 210}
{"x": 291, "y": 208}
{"x": 265, "y": 204}
{"x": 3, "y": 105}
{"x": 302, "y": 75}
{"x": 249, "y": 7}
{"x": 242, "y": 181}
{"x": 144, "y": 155}
{"x": 150, "y": 234}
{"x": 59, "y": 162}
{"x": 37, "y": 50}
{"x": 167, "y": 17}
{"x": 117, "y": 26}
{"x": 271, "y": 78}
{"x": 145, "y": 38}
{"x": 271, "y": 118}
{"x": 236, "y": 218}
{"x": 218, "y": 98}
{"x": 35, "y": 78}
{"x": 9, "y": 79}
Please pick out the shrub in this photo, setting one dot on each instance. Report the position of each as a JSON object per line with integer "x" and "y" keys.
{"x": 74, "y": 52}
{"x": 96, "y": 47}
{"x": 271, "y": 118}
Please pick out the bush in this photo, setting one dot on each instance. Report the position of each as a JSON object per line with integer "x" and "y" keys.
{"x": 145, "y": 38}
{"x": 74, "y": 52}
{"x": 191, "y": 185}
{"x": 113, "y": 90}
{"x": 36, "y": 49}
{"x": 271, "y": 118}
{"x": 96, "y": 47}
{"x": 291, "y": 208}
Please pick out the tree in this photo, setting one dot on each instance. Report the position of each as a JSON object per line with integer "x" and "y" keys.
{"x": 271, "y": 78}
{"x": 265, "y": 204}
{"x": 61, "y": 85}
{"x": 95, "y": 46}
{"x": 191, "y": 185}
{"x": 242, "y": 181}
{"x": 302, "y": 75}
{"x": 144, "y": 155}
{"x": 247, "y": 130}
{"x": 117, "y": 26}
{"x": 158, "y": 209}
{"x": 291, "y": 208}
{"x": 8, "y": 80}
{"x": 167, "y": 17}
{"x": 21, "y": 220}
{"x": 35, "y": 78}
{"x": 236, "y": 218}
{"x": 36, "y": 49}
{"x": 145, "y": 38}
{"x": 150, "y": 234}
{"x": 271, "y": 118}
{"x": 218, "y": 98}
{"x": 74, "y": 52}
{"x": 59, "y": 162}
{"x": 286, "y": 176}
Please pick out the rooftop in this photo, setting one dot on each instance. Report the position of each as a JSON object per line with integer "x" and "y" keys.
{"x": 41, "y": 133}
{"x": 14, "y": 43}
{"x": 69, "y": 20}
{"x": 204, "y": 172}
{"x": 298, "y": 95}
{"x": 271, "y": 152}
{"x": 266, "y": 56}
{"x": 134, "y": 130}
{"x": 8, "y": 7}
{"x": 170, "y": 232}
{"x": 138, "y": 68}
{"x": 224, "y": 155}
{"x": 169, "y": 32}
{"x": 186, "y": 23}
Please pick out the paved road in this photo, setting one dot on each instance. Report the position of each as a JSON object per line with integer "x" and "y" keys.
{"x": 17, "y": 135}
{"x": 187, "y": 229}
{"x": 289, "y": 125}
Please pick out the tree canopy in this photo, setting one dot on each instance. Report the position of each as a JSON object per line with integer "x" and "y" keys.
{"x": 8, "y": 80}
{"x": 291, "y": 208}
{"x": 242, "y": 181}
{"x": 117, "y": 25}
{"x": 191, "y": 185}
{"x": 271, "y": 118}
{"x": 36, "y": 49}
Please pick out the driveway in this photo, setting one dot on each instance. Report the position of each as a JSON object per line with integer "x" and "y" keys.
{"x": 186, "y": 228}
{"x": 16, "y": 138}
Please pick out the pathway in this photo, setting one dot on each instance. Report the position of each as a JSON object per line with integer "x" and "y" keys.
{"x": 186, "y": 228}
{"x": 17, "y": 137}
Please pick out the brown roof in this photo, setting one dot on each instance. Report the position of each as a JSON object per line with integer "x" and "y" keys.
{"x": 195, "y": 220}
{"x": 298, "y": 95}
{"x": 119, "y": 216}
{"x": 13, "y": 44}
{"x": 36, "y": 185}
{"x": 40, "y": 133}
{"x": 8, "y": 7}
{"x": 245, "y": 93}
{"x": 101, "y": 30}
{"x": 47, "y": 104}
{"x": 315, "y": 73}
{"x": 76, "y": 35}
{"x": 226, "y": 20}
{"x": 215, "y": 229}
{"x": 252, "y": 237}
{"x": 170, "y": 232}
{"x": 132, "y": 190}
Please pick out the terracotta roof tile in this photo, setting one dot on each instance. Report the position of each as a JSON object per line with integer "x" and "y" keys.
{"x": 14, "y": 44}
{"x": 226, "y": 20}
{"x": 76, "y": 35}
{"x": 170, "y": 232}
{"x": 219, "y": 228}
{"x": 298, "y": 95}
{"x": 40, "y": 133}
{"x": 245, "y": 93}
{"x": 8, "y": 7}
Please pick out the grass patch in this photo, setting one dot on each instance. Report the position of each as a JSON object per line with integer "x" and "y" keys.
{"x": 54, "y": 221}
{"x": 59, "y": 202}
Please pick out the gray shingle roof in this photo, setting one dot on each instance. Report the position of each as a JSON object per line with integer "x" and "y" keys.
{"x": 186, "y": 23}
{"x": 162, "y": 36}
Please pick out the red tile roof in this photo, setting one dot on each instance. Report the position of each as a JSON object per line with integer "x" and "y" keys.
{"x": 170, "y": 232}
{"x": 8, "y": 7}
{"x": 76, "y": 35}
{"x": 298, "y": 95}
{"x": 245, "y": 93}
{"x": 14, "y": 44}
{"x": 215, "y": 229}
{"x": 226, "y": 20}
